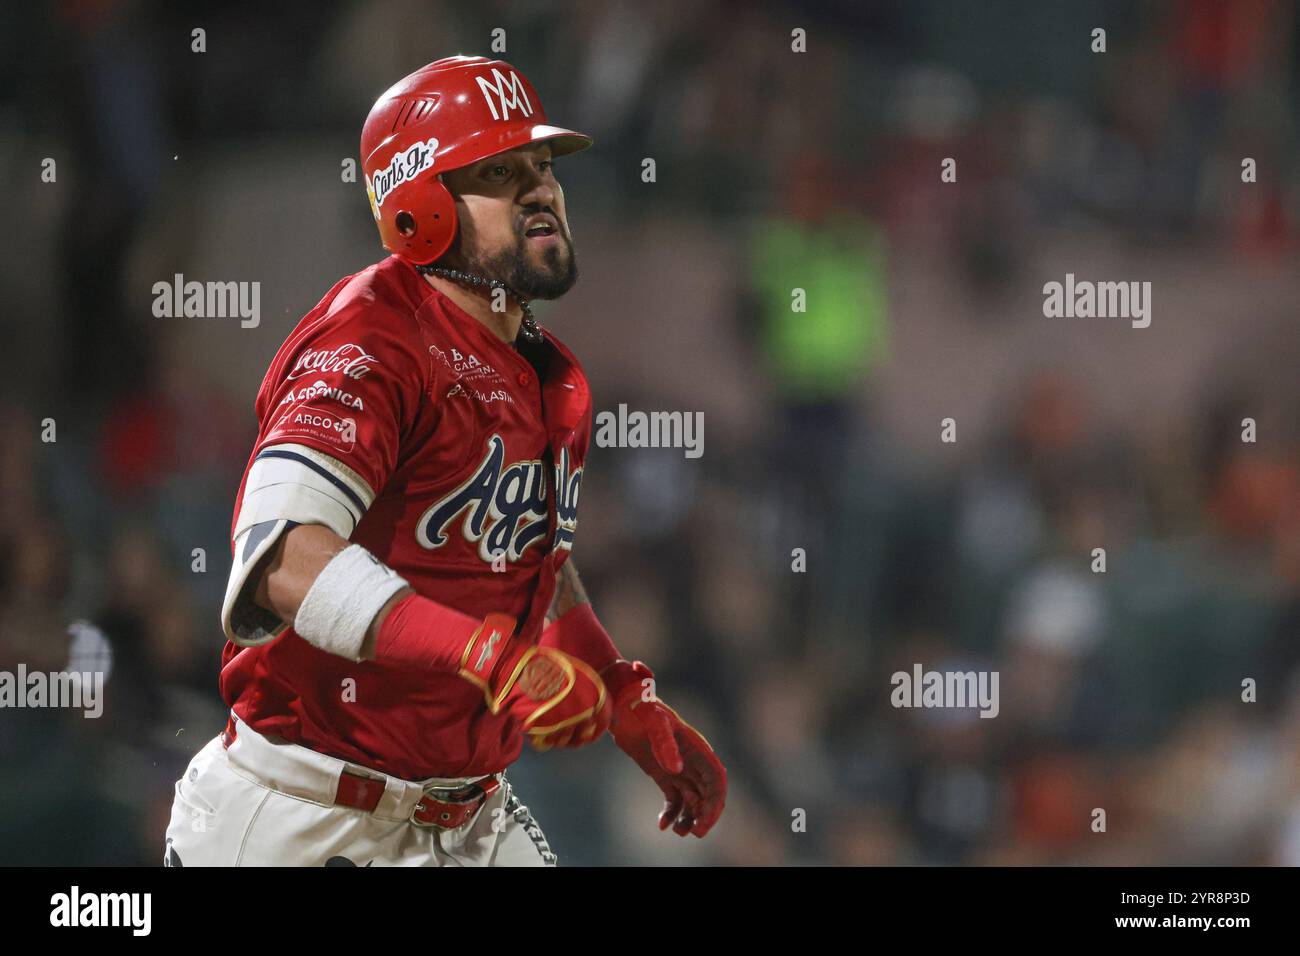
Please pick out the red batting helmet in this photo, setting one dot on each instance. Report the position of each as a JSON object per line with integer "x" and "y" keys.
{"x": 451, "y": 113}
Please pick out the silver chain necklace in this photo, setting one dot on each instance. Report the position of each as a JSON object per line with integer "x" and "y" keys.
{"x": 528, "y": 328}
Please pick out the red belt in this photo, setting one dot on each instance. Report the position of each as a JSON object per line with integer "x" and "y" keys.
{"x": 444, "y": 808}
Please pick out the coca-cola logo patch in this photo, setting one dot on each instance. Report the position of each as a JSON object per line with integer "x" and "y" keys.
{"x": 349, "y": 360}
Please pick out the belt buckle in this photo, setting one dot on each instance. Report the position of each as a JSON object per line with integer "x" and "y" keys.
{"x": 453, "y": 806}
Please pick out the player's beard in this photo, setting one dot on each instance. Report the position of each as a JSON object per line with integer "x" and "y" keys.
{"x": 549, "y": 279}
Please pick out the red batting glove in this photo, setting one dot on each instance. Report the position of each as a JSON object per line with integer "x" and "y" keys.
{"x": 671, "y": 752}
{"x": 559, "y": 700}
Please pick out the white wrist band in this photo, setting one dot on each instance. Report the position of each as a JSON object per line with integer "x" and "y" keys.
{"x": 343, "y": 601}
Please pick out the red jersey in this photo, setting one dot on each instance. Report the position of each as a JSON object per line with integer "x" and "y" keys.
{"x": 471, "y": 463}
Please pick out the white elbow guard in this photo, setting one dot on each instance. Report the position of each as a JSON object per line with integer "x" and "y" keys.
{"x": 287, "y": 485}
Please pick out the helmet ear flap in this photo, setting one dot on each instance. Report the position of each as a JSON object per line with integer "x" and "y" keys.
{"x": 421, "y": 228}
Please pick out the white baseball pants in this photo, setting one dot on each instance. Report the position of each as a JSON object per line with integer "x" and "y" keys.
{"x": 267, "y": 803}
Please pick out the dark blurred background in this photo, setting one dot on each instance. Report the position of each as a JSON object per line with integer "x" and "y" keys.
{"x": 775, "y": 170}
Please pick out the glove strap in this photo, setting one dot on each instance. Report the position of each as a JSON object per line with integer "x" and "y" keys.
{"x": 488, "y": 648}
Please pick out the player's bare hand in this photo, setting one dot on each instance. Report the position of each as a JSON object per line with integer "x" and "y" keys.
{"x": 670, "y": 751}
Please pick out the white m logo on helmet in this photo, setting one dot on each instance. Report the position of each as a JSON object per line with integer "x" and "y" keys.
{"x": 509, "y": 93}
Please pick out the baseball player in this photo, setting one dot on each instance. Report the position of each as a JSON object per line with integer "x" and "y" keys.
{"x": 402, "y": 610}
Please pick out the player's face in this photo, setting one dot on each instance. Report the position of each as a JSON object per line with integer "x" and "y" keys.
{"x": 512, "y": 223}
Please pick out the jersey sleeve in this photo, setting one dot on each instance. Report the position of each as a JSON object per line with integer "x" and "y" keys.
{"x": 333, "y": 411}
{"x": 347, "y": 394}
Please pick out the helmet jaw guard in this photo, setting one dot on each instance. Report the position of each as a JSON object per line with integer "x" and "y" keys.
{"x": 444, "y": 116}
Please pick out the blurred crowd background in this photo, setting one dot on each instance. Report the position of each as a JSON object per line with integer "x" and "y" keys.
{"x": 775, "y": 170}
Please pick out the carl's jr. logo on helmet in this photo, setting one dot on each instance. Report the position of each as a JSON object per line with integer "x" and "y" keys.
{"x": 510, "y": 94}
{"x": 402, "y": 168}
